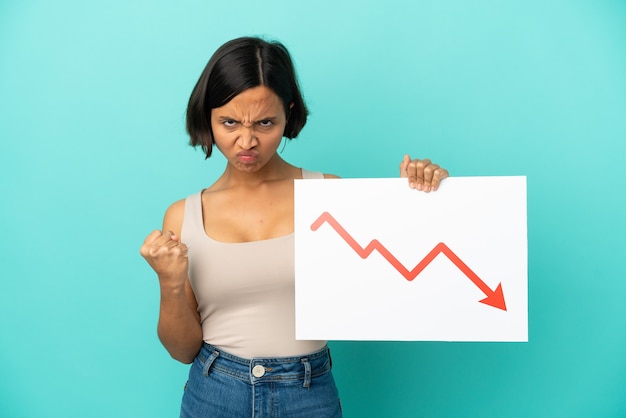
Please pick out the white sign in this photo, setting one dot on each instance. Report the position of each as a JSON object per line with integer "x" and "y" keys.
{"x": 376, "y": 260}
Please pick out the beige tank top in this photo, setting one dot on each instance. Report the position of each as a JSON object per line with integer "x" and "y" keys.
{"x": 245, "y": 291}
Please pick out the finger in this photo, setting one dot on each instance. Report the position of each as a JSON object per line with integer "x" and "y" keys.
{"x": 438, "y": 175}
{"x": 149, "y": 241}
{"x": 404, "y": 164}
{"x": 173, "y": 236}
{"x": 429, "y": 171}
{"x": 184, "y": 249}
{"x": 416, "y": 172}
{"x": 153, "y": 236}
{"x": 165, "y": 239}
{"x": 165, "y": 249}
{"x": 172, "y": 240}
{"x": 152, "y": 248}
{"x": 170, "y": 235}
{"x": 172, "y": 243}
{"x": 178, "y": 250}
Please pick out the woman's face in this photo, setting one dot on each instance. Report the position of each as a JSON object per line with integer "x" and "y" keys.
{"x": 248, "y": 129}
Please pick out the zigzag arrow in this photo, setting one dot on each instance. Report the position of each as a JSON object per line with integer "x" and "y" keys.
{"x": 494, "y": 298}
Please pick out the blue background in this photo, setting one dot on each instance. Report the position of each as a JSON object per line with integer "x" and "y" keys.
{"x": 93, "y": 150}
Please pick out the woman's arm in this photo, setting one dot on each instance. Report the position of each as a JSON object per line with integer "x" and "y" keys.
{"x": 179, "y": 322}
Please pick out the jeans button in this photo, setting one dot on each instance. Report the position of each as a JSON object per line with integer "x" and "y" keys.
{"x": 258, "y": 370}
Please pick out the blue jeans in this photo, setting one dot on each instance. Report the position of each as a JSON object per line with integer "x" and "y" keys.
{"x": 223, "y": 385}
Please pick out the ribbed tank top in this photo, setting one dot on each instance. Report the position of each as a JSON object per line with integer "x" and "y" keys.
{"x": 245, "y": 291}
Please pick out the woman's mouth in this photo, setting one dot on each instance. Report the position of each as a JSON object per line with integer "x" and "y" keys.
{"x": 247, "y": 156}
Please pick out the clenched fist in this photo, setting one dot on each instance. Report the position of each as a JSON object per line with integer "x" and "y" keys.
{"x": 167, "y": 256}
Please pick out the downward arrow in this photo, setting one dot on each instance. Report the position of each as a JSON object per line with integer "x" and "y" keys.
{"x": 494, "y": 298}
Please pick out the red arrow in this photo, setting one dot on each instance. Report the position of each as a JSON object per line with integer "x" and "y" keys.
{"x": 494, "y": 298}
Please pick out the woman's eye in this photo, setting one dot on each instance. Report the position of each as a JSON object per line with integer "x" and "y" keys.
{"x": 229, "y": 123}
{"x": 266, "y": 123}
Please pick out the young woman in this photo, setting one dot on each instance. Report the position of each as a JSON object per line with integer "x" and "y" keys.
{"x": 225, "y": 258}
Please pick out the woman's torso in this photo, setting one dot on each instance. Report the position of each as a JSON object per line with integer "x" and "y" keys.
{"x": 245, "y": 290}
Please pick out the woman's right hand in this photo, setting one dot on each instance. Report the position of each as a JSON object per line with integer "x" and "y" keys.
{"x": 167, "y": 256}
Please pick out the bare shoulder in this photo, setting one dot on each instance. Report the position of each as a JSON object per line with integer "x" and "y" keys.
{"x": 173, "y": 219}
{"x": 331, "y": 176}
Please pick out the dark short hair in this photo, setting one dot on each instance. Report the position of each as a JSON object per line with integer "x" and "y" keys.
{"x": 236, "y": 66}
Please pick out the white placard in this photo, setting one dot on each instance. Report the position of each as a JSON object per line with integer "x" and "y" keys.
{"x": 376, "y": 260}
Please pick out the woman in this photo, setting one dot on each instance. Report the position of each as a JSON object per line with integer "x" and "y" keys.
{"x": 224, "y": 257}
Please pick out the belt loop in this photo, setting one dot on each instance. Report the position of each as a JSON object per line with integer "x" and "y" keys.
{"x": 307, "y": 372}
{"x": 330, "y": 358}
{"x": 209, "y": 362}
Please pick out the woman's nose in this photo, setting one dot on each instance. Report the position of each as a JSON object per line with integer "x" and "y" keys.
{"x": 247, "y": 138}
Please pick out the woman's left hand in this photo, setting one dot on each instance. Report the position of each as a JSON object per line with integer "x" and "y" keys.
{"x": 422, "y": 174}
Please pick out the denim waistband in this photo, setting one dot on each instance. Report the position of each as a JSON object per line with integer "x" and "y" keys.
{"x": 265, "y": 369}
